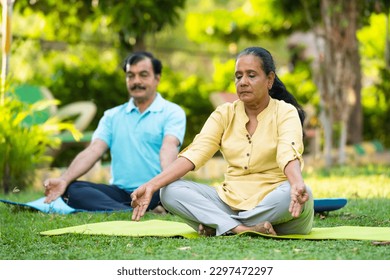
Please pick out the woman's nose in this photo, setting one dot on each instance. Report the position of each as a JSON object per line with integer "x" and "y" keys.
{"x": 243, "y": 80}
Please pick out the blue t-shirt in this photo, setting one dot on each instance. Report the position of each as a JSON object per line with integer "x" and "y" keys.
{"x": 135, "y": 139}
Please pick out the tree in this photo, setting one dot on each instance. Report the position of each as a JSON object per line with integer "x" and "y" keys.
{"x": 130, "y": 20}
{"x": 134, "y": 19}
{"x": 337, "y": 70}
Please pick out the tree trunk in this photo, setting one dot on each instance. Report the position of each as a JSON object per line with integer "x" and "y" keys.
{"x": 7, "y": 178}
{"x": 355, "y": 122}
{"x": 338, "y": 74}
{"x": 327, "y": 124}
{"x": 140, "y": 43}
{"x": 342, "y": 142}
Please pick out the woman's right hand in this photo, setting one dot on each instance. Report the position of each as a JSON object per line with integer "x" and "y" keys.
{"x": 140, "y": 200}
{"x": 54, "y": 188}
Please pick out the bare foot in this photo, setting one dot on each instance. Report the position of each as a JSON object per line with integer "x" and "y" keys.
{"x": 206, "y": 231}
{"x": 159, "y": 210}
{"x": 264, "y": 227}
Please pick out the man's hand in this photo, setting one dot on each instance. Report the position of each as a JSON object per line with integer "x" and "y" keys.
{"x": 54, "y": 188}
{"x": 299, "y": 196}
{"x": 140, "y": 200}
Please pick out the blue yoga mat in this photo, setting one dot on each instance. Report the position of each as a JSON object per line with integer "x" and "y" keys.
{"x": 57, "y": 206}
{"x": 328, "y": 204}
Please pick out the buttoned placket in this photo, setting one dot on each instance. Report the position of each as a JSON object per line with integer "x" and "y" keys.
{"x": 248, "y": 152}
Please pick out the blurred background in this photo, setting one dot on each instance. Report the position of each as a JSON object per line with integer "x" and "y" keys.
{"x": 333, "y": 56}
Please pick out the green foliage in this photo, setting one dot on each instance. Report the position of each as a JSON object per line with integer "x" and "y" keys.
{"x": 300, "y": 13}
{"x": 58, "y": 20}
{"x": 24, "y": 147}
{"x": 191, "y": 94}
{"x": 372, "y": 39}
{"x": 141, "y": 16}
{"x": 305, "y": 14}
{"x": 93, "y": 82}
{"x": 376, "y": 93}
{"x": 377, "y": 117}
{"x": 130, "y": 21}
{"x": 300, "y": 83}
{"x": 247, "y": 20}
{"x": 223, "y": 77}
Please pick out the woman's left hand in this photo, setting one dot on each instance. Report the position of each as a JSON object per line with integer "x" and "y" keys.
{"x": 299, "y": 196}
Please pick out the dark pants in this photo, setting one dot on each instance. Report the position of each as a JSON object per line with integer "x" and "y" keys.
{"x": 101, "y": 197}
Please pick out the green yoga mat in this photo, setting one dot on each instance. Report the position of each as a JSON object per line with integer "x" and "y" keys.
{"x": 130, "y": 228}
{"x": 160, "y": 228}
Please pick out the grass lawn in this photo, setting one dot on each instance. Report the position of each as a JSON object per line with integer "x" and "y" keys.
{"x": 367, "y": 189}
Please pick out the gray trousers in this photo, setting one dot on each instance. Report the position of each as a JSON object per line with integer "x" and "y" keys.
{"x": 200, "y": 204}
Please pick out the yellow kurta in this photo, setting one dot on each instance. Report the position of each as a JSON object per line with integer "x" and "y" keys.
{"x": 255, "y": 163}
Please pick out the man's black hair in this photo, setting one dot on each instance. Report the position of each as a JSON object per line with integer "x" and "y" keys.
{"x": 141, "y": 55}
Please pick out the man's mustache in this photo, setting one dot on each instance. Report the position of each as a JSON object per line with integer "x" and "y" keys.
{"x": 137, "y": 87}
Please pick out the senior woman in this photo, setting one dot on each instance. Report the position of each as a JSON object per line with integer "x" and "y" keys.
{"x": 260, "y": 137}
